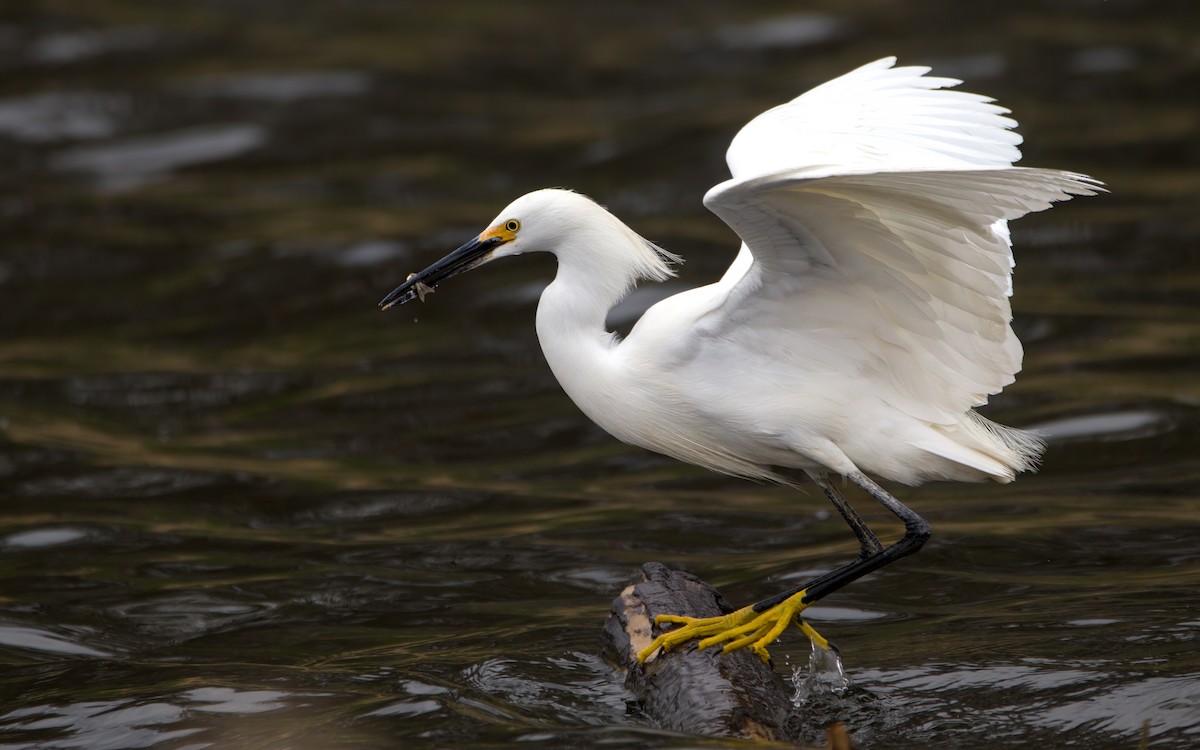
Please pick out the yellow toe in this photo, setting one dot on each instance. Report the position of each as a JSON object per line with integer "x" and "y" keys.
{"x": 736, "y": 630}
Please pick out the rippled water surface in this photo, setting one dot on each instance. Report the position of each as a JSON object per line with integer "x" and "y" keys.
{"x": 241, "y": 508}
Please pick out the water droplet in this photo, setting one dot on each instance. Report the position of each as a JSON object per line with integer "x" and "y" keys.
{"x": 825, "y": 675}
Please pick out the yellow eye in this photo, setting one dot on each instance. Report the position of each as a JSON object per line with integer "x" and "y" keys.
{"x": 512, "y": 225}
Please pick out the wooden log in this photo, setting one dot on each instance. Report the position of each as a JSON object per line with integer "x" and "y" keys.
{"x": 698, "y": 692}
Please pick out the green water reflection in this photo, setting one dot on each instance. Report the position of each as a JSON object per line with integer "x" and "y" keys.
{"x": 243, "y": 509}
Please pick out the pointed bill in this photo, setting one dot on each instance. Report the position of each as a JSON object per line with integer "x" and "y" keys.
{"x": 471, "y": 255}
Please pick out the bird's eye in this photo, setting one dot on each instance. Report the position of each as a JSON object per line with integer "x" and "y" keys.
{"x": 512, "y": 225}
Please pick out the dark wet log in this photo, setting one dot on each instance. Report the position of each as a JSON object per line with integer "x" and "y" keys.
{"x": 699, "y": 692}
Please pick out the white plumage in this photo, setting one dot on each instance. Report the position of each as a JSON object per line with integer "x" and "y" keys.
{"x": 865, "y": 316}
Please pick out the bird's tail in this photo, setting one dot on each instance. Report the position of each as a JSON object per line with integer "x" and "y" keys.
{"x": 984, "y": 449}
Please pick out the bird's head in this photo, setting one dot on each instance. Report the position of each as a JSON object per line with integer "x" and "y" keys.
{"x": 551, "y": 220}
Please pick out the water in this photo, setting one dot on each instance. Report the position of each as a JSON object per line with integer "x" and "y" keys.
{"x": 823, "y": 678}
{"x": 240, "y": 508}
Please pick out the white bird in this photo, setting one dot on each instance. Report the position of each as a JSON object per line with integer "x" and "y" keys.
{"x": 865, "y": 317}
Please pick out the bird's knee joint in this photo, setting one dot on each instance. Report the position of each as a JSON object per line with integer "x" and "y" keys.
{"x": 916, "y": 533}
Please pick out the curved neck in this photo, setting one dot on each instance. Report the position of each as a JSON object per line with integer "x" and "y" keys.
{"x": 570, "y": 327}
{"x": 570, "y": 318}
{"x": 599, "y": 261}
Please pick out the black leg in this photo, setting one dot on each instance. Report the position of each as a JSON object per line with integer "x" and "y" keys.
{"x": 916, "y": 531}
{"x": 759, "y": 624}
{"x": 866, "y": 538}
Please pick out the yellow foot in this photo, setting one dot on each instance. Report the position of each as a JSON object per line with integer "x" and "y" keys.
{"x": 739, "y": 629}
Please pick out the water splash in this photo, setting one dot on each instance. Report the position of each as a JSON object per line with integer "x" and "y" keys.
{"x": 825, "y": 676}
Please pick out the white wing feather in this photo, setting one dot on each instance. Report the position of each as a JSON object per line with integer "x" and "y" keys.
{"x": 873, "y": 210}
{"x": 877, "y": 118}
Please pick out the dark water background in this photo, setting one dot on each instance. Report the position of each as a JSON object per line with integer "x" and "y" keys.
{"x": 241, "y": 508}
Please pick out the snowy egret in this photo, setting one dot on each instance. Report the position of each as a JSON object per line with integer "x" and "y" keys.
{"x": 864, "y": 318}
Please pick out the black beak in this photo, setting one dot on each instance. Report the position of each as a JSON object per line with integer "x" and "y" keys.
{"x": 474, "y": 253}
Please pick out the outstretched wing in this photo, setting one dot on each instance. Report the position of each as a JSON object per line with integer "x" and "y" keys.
{"x": 874, "y": 214}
